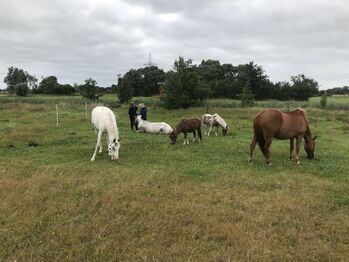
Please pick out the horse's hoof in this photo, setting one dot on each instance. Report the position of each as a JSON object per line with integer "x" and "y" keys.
{"x": 92, "y": 159}
{"x": 268, "y": 164}
{"x": 298, "y": 163}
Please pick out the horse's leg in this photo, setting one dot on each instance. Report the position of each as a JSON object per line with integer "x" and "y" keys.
{"x": 291, "y": 147}
{"x": 252, "y": 147}
{"x": 205, "y": 127}
{"x": 101, "y": 147}
{"x": 199, "y": 134}
{"x": 298, "y": 143}
{"x": 99, "y": 135}
{"x": 266, "y": 151}
{"x": 185, "y": 138}
{"x": 209, "y": 131}
{"x": 216, "y": 131}
{"x": 194, "y": 133}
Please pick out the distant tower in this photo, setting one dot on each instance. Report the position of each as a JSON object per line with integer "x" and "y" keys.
{"x": 150, "y": 63}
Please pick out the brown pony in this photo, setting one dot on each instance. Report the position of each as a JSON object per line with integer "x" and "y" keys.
{"x": 281, "y": 125}
{"x": 187, "y": 125}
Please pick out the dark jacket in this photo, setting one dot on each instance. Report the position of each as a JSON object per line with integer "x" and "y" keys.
{"x": 144, "y": 113}
{"x": 132, "y": 111}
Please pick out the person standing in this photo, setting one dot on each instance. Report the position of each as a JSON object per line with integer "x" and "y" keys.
{"x": 132, "y": 113}
{"x": 143, "y": 112}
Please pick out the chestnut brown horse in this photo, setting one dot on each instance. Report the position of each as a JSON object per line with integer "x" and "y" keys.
{"x": 187, "y": 125}
{"x": 281, "y": 125}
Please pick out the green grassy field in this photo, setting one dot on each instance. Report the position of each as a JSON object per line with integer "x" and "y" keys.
{"x": 164, "y": 202}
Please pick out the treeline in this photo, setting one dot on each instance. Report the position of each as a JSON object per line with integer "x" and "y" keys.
{"x": 336, "y": 91}
{"x": 185, "y": 85}
{"x": 188, "y": 84}
{"x": 22, "y": 83}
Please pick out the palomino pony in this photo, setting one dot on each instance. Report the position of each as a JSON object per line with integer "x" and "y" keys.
{"x": 103, "y": 119}
{"x": 214, "y": 120}
{"x": 281, "y": 125}
{"x": 153, "y": 128}
{"x": 187, "y": 125}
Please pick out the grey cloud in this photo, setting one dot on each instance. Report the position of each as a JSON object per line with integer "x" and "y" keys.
{"x": 78, "y": 39}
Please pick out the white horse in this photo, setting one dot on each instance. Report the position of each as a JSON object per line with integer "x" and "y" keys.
{"x": 103, "y": 119}
{"x": 214, "y": 120}
{"x": 153, "y": 128}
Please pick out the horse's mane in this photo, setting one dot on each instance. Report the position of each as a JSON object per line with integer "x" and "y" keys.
{"x": 112, "y": 119}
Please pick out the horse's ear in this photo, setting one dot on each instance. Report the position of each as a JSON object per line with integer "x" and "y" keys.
{"x": 314, "y": 138}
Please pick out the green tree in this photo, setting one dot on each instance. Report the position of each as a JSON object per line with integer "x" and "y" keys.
{"x": 48, "y": 85}
{"x": 145, "y": 81}
{"x": 182, "y": 86}
{"x": 259, "y": 82}
{"x": 220, "y": 80}
{"x": 303, "y": 87}
{"x": 246, "y": 97}
{"x": 125, "y": 89}
{"x": 90, "y": 89}
{"x": 22, "y": 89}
{"x": 151, "y": 76}
{"x": 15, "y": 76}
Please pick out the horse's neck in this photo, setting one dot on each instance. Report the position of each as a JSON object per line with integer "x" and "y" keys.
{"x": 113, "y": 132}
{"x": 220, "y": 121}
{"x": 177, "y": 130}
{"x": 307, "y": 134}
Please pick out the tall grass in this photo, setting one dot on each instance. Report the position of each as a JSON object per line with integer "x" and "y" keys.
{"x": 333, "y": 103}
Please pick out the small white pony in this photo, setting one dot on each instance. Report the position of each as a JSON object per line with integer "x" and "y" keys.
{"x": 103, "y": 119}
{"x": 153, "y": 128}
{"x": 214, "y": 120}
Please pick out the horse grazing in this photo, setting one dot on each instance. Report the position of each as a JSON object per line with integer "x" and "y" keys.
{"x": 187, "y": 125}
{"x": 281, "y": 125}
{"x": 153, "y": 128}
{"x": 103, "y": 119}
{"x": 214, "y": 120}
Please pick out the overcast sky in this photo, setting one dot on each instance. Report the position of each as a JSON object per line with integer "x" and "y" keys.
{"x": 78, "y": 39}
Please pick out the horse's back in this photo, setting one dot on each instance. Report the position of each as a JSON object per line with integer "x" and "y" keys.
{"x": 190, "y": 124}
{"x": 282, "y": 125}
{"x": 102, "y": 116}
{"x": 268, "y": 119}
{"x": 206, "y": 118}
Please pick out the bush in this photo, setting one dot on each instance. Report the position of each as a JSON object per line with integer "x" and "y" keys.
{"x": 22, "y": 89}
{"x": 323, "y": 101}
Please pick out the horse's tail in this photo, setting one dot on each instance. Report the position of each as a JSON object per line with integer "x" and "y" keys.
{"x": 258, "y": 133}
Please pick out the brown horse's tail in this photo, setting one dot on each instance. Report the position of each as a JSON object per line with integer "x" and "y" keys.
{"x": 259, "y": 136}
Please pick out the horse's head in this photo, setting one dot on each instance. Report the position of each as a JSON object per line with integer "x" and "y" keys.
{"x": 173, "y": 137}
{"x": 309, "y": 147}
{"x": 113, "y": 149}
{"x": 225, "y": 130}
